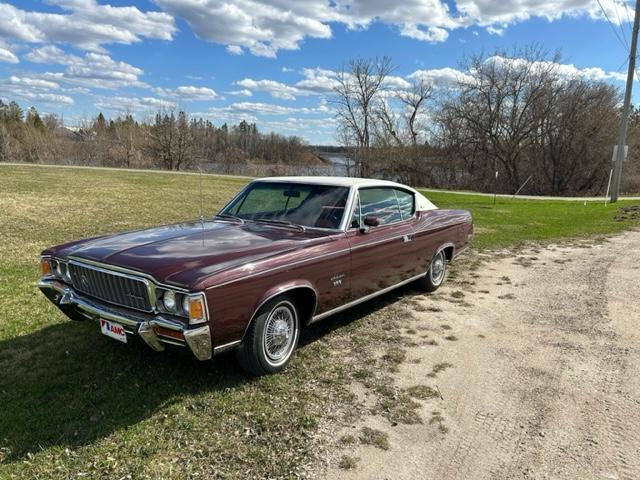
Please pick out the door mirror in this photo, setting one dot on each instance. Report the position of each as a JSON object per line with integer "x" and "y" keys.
{"x": 371, "y": 221}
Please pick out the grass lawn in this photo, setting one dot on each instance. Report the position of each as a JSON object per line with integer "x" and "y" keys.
{"x": 75, "y": 404}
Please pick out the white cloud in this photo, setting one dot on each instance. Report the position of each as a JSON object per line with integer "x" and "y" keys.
{"x": 395, "y": 83}
{"x": 263, "y": 27}
{"x": 6, "y": 55}
{"x": 85, "y": 24}
{"x": 268, "y": 109}
{"x": 235, "y": 49}
{"x": 273, "y": 88}
{"x": 94, "y": 70}
{"x": 187, "y": 93}
{"x": 195, "y": 93}
{"x": 244, "y": 92}
{"x": 449, "y": 77}
{"x": 33, "y": 89}
{"x": 440, "y": 77}
{"x": 490, "y": 13}
{"x": 318, "y": 80}
{"x": 565, "y": 70}
{"x": 134, "y": 105}
{"x": 33, "y": 82}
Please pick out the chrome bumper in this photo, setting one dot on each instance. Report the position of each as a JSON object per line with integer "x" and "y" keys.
{"x": 78, "y": 307}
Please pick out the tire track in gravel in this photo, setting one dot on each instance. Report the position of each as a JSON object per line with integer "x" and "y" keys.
{"x": 544, "y": 382}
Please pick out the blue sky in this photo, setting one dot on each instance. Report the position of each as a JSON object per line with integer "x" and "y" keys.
{"x": 273, "y": 62}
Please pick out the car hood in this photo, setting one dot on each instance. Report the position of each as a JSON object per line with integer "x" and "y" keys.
{"x": 185, "y": 253}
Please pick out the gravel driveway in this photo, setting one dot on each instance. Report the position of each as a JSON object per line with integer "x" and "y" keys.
{"x": 542, "y": 376}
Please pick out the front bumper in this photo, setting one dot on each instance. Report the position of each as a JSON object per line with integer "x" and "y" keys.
{"x": 155, "y": 330}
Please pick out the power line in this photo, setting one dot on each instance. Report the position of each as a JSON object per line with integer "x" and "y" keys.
{"x": 615, "y": 31}
{"x": 624, "y": 34}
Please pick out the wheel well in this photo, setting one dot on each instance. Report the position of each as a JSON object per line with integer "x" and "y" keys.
{"x": 305, "y": 301}
{"x": 448, "y": 252}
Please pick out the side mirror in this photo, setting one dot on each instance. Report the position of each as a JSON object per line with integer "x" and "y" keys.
{"x": 371, "y": 221}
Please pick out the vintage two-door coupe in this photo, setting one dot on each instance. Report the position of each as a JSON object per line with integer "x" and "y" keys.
{"x": 283, "y": 253}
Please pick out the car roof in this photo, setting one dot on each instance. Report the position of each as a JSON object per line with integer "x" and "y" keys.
{"x": 335, "y": 181}
{"x": 422, "y": 203}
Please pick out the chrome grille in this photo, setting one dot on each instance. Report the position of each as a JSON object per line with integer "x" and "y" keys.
{"x": 111, "y": 287}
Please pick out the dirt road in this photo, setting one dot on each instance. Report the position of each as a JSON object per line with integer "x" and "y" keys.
{"x": 539, "y": 377}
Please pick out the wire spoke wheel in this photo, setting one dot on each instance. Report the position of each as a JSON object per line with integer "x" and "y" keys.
{"x": 436, "y": 272}
{"x": 279, "y": 333}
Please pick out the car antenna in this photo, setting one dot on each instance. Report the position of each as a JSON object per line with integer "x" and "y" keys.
{"x": 201, "y": 201}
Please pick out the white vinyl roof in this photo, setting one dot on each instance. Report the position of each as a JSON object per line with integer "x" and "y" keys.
{"x": 335, "y": 181}
{"x": 422, "y": 203}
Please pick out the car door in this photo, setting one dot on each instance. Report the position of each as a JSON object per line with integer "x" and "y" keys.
{"x": 382, "y": 255}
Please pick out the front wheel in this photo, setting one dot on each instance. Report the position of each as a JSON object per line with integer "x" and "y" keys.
{"x": 435, "y": 275}
{"x": 271, "y": 338}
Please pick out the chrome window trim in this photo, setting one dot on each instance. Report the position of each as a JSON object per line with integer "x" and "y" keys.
{"x": 344, "y": 225}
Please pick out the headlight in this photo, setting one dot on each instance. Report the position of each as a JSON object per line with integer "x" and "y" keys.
{"x": 169, "y": 300}
{"x": 185, "y": 305}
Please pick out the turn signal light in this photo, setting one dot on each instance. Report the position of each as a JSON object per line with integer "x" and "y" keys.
{"x": 196, "y": 310}
{"x": 45, "y": 267}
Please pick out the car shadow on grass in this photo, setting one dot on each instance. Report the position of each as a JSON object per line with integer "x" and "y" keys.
{"x": 66, "y": 385}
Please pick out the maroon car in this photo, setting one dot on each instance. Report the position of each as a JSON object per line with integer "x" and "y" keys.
{"x": 285, "y": 252}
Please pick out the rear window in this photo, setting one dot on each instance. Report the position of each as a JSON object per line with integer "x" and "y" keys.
{"x": 406, "y": 203}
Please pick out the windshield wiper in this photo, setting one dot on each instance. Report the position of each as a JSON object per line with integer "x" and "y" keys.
{"x": 228, "y": 216}
{"x": 285, "y": 223}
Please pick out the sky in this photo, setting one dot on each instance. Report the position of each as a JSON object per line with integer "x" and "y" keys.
{"x": 274, "y": 62}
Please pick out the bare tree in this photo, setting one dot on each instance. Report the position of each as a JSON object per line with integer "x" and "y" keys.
{"x": 359, "y": 83}
{"x": 521, "y": 116}
{"x": 414, "y": 101}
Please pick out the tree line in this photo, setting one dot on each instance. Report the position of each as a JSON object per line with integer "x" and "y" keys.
{"x": 509, "y": 119}
{"x": 170, "y": 140}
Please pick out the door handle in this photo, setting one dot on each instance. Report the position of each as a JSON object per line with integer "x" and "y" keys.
{"x": 407, "y": 238}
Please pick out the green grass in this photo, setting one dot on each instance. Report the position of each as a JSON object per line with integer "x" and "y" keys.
{"x": 73, "y": 403}
{"x": 513, "y": 222}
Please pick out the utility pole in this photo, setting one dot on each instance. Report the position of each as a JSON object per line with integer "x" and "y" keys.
{"x": 622, "y": 133}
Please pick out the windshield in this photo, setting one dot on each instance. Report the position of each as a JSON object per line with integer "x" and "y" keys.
{"x": 308, "y": 205}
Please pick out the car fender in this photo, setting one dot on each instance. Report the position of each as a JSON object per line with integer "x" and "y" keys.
{"x": 279, "y": 290}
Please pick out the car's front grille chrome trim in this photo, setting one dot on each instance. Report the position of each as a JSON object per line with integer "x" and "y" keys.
{"x": 113, "y": 287}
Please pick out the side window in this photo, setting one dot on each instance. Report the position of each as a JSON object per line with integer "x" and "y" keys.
{"x": 382, "y": 203}
{"x": 406, "y": 203}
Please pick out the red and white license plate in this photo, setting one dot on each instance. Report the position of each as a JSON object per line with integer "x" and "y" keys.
{"x": 113, "y": 330}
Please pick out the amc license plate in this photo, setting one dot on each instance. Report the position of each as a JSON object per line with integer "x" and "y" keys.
{"x": 113, "y": 330}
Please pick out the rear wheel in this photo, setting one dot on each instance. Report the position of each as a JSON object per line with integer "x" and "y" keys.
{"x": 271, "y": 338}
{"x": 436, "y": 273}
